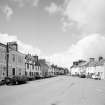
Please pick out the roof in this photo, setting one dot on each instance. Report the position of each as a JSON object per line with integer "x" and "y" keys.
{"x": 1, "y": 44}
{"x": 100, "y": 63}
{"x": 4, "y": 45}
{"x": 83, "y": 64}
{"x": 42, "y": 62}
{"x": 37, "y": 64}
{"x": 90, "y": 63}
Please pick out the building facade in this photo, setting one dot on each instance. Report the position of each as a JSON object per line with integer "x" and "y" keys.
{"x": 44, "y": 67}
{"x": 92, "y": 68}
{"x": 12, "y": 62}
{"x": 16, "y": 64}
{"x": 2, "y": 61}
{"x": 32, "y": 67}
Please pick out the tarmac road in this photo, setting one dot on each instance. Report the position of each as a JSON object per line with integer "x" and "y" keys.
{"x": 62, "y": 90}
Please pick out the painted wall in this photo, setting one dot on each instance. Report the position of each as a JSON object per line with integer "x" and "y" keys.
{"x": 101, "y": 71}
{"x": 75, "y": 70}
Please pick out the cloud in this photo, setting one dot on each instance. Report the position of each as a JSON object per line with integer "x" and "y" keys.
{"x": 35, "y": 3}
{"x": 7, "y": 11}
{"x": 53, "y": 8}
{"x": 82, "y": 17}
{"x": 23, "y": 47}
{"x": 92, "y": 45}
{"x": 22, "y": 3}
{"x": 87, "y": 15}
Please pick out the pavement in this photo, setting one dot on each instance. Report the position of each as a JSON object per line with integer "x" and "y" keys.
{"x": 61, "y": 90}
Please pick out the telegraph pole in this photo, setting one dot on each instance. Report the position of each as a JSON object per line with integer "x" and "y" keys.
{"x": 7, "y": 56}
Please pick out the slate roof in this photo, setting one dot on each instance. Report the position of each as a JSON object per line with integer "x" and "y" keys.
{"x": 90, "y": 63}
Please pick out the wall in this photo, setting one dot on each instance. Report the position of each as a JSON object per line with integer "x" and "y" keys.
{"x": 2, "y": 61}
{"x": 17, "y": 62}
{"x": 100, "y": 70}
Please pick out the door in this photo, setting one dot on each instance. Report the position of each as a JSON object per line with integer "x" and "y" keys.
{"x": 13, "y": 71}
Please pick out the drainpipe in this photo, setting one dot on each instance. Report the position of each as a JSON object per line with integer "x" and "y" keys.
{"x": 7, "y": 54}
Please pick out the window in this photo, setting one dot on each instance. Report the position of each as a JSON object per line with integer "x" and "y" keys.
{"x": 3, "y": 73}
{"x": 30, "y": 73}
{"x": 32, "y": 66}
{"x": 13, "y": 57}
{"x": 4, "y": 68}
{"x": 5, "y": 57}
{"x": 27, "y": 65}
{"x": 19, "y": 59}
{"x": 98, "y": 74}
{"x": 37, "y": 74}
{"x": 34, "y": 73}
{"x": 19, "y": 71}
{"x": 25, "y": 73}
{"x": 36, "y": 68}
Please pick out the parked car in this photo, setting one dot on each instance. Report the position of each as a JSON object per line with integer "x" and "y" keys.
{"x": 2, "y": 82}
{"x": 15, "y": 80}
{"x": 21, "y": 79}
{"x": 97, "y": 77}
{"x": 10, "y": 81}
{"x": 88, "y": 76}
{"x": 82, "y": 75}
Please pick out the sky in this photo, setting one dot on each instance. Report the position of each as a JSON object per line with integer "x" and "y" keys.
{"x": 61, "y": 31}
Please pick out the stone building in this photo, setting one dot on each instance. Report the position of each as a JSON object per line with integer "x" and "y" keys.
{"x": 2, "y": 61}
{"x": 16, "y": 64}
{"x": 12, "y": 62}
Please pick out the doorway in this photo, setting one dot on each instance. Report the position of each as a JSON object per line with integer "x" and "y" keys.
{"x": 13, "y": 71}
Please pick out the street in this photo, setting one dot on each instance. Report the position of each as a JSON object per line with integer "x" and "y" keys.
{"x": 61, "y": 90}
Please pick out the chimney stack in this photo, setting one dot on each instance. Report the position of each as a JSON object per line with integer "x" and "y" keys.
{"x": 100, "y": 58}
{"x": 35, "y": 58}
{"x": 91, "y": 59}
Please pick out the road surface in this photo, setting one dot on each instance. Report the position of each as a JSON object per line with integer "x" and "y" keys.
{"x": 62, "y": 90}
